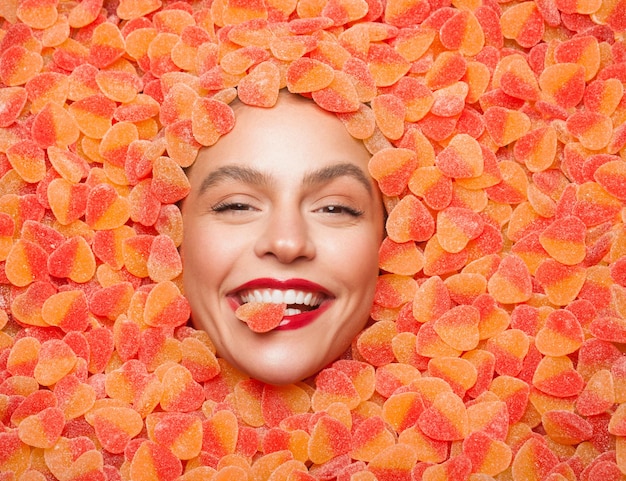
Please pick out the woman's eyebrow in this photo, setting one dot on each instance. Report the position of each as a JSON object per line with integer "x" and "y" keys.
{"x": 331, "y": 172}
{"x": 234, "y": 172}
{"x": 253, "y": 176}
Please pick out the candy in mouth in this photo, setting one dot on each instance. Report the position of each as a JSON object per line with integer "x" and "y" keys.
{"x": 261, "y": 316}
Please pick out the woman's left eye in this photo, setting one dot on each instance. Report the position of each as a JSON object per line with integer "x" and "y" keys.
{"x": 341, "y": 209}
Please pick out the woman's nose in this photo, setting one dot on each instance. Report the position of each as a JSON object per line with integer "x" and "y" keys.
{"x": 286, "y": 236}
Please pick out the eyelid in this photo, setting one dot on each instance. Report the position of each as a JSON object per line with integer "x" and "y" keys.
{"x": 343, "y": 209}
{"x": 224, "y": 206}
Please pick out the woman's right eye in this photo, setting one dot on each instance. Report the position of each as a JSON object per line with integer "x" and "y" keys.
{"x": 231, "y": 206}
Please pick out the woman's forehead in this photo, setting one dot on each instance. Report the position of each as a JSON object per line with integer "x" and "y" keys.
{"x": 295, "y": 130}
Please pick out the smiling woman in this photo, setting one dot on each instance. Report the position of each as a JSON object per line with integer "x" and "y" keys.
{"x": 282, "y": 210}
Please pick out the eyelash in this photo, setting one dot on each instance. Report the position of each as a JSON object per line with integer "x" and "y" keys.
{"x": 330, "y": 209}
{"x": 226, "y": 206}
{"x": 343, "y": 208}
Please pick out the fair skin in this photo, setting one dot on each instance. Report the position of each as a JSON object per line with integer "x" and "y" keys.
{"x": 282, "y": 207}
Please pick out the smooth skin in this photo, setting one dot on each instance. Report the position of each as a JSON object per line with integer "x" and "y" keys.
{"x": 284, "y": 199}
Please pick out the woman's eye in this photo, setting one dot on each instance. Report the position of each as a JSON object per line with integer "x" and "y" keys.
{"x": 231, "y": 206}
{"x": 341, "y": 209}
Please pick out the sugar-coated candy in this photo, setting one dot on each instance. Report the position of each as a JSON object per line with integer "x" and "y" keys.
{"x": 393, "y": 376}
{"x": 375, "y": 344}
{"x": 329, "y": 438}
{"x": 389, "y": 112}
{"x": 431, "y": 184}
{"x": 165, "y": 306}
{"x": 533, "y": 459}
{"x": 210, "y": 119}
{"x": 432, "y": 300}
{"x": 561, "y": 334}
{"x": 14, "y": 99}
{"x": 456, "y": 227}
{"x": 404, "y": 258}
{"x": 394, "y": 462}
{"x": 448, "y": 68}
{"x": 18, "y": 65}
{"x": 505, "y": 125}
{"x": 26, "y": 263}
{"x": 260, "y": 87}
{"x": 67, "y": 310}
{"x": 427, "y": 450}
{"x": 181, "y": 392}
{"x": 68, "y": 201}
{"x": 220, "y": 433}
{"x": 75, "y": 398}
{"x": 392, "y": 168}
{"x": 115, "y": 426}
{"x": 119, "y": 86}
{"x": 169, "y": 183}
{"x": 394, "y": 290}
{"x": 516, "y": 78}
{"x": 361, "y": 374}
{"x": 402, "y": 410}
{"x": 410, "y": 220}
{"x": 556, "y": 376}
{"x": 163, "y": 262}
{"x": 199, "y": 359}
{"x": 598, "y": 394}
{"x": 487, "y": 456}
{"x": 370, "y": 438}
{"x": 511, "y": 282}
{"x": 459, "y": 373}
{"x": 42, "y": 430}
{"x": 592, "y": 129}
{"x": 446, "y": 419}
{"x": 496, "y": 134}
{"x": 153, "y": 461}
{"x": 23, "y": 357}
{"x": 105, "y": 208}
{"x": 72, "y": 259}
{"x": 334, "y": 386}
{"x": 261, "y": 316}
{"x": 27, "y": 158}
{"x": 484, "y": 363}
{"x": 462, "y": 158}
{"x": 101, "y": 346}
{"x": 339, "y": 96}
{"x": 56, "y": 359}
{"x": 509, "y": 348}
{"x": 460, "y": 319}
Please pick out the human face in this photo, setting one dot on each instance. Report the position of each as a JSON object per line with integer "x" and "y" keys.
{"x": 282, "y": 206}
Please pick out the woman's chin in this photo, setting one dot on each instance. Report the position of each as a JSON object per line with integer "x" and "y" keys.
{"x": 279, "y": 370}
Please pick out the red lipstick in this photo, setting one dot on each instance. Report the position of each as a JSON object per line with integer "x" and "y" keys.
{"x": 298, "y": 321}
{"x": 270, "y": 283}
{"x": 292, "y": 322}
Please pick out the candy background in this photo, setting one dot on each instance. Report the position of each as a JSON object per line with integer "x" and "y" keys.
{"x": 497, "y": 133}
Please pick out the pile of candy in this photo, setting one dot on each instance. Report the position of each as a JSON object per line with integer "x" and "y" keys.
{"x": 498, "y": 137}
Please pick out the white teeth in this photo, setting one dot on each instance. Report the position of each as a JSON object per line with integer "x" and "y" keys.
{"x": 276, "y": 296}
{"x": 290, "y": 297}
{"x": 292, "y": 312}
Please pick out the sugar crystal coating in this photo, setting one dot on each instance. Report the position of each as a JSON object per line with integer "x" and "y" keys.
{"x": 497, "y": 139}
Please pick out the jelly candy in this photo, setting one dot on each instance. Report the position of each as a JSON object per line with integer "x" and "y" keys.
{"x": 261, "y": 317}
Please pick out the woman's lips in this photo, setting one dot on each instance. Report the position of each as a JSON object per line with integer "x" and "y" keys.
{"x": 270, "y": 283}
{"x": 270, "y": 290}
{"x": 304, "y": 319}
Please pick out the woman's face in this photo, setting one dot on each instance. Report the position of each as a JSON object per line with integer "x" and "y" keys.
{"x": 282, "y": 209}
